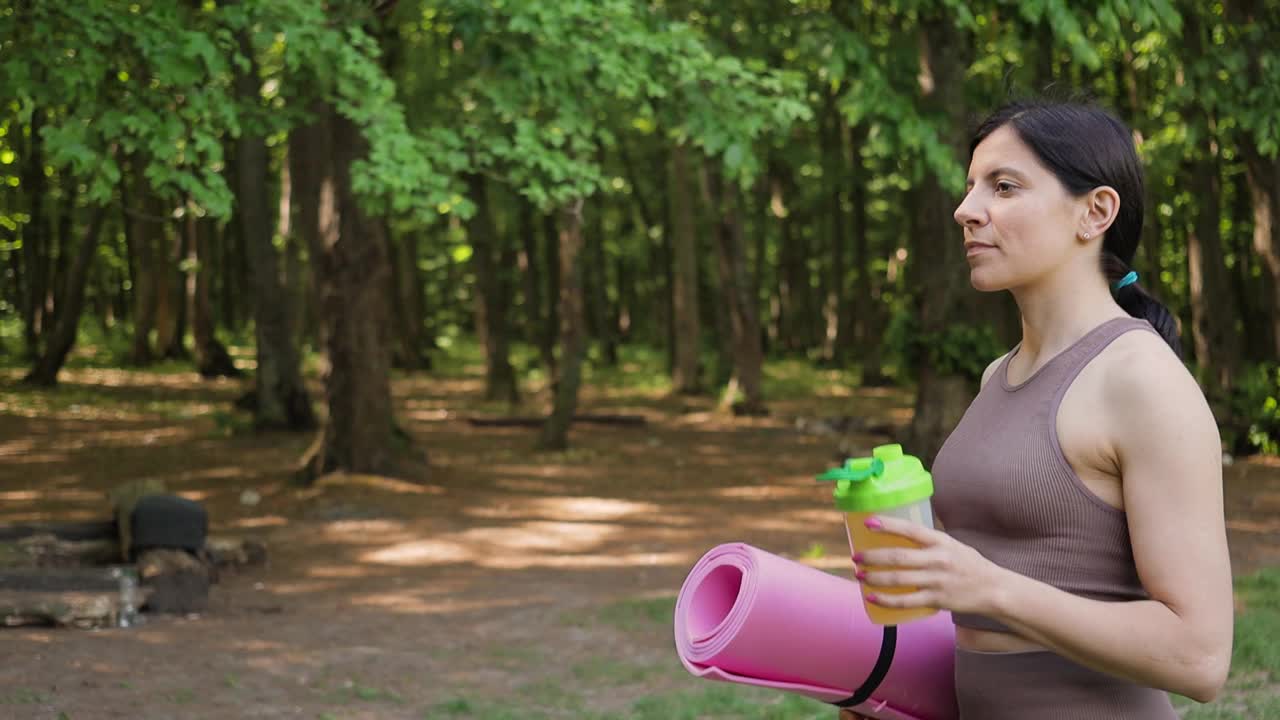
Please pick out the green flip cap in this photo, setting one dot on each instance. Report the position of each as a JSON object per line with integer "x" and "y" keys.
{"x": 887, "y": 479}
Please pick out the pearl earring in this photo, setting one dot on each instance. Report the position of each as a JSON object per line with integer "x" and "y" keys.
{"x": 1086, "y": 236}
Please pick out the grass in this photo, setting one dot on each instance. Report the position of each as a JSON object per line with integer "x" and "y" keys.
{"x": 353, "y": 690}
{"x": 709, "y": 701}
{"x": 608, "y": 672}
{"x": 23, "y": 696}
{"x": 1253, "y": 689}
{"x": 727, "y": 701}
{"x": 639, "y": 614}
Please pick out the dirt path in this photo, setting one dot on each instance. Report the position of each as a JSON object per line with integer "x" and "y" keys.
{"x": 499, "y": 579}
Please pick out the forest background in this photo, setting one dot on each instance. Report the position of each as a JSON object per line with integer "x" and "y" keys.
{"x": 319, "y": 209}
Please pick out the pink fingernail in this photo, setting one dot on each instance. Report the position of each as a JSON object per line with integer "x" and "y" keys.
{"x": 861, "y": 575}
{"x": 873, "y": 524}
{"x": 857, "y": 557}
{"x": 871, "y": 597}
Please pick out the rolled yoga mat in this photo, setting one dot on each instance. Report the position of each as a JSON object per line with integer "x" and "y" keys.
{"x": 748, "y": 616}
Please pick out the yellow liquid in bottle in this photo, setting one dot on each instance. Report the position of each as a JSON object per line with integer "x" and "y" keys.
{"x": 860, "y": 540}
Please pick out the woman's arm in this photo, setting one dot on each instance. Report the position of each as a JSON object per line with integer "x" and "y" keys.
{"x": 1170, "y": 457}
{"x": 1167, "y": 446}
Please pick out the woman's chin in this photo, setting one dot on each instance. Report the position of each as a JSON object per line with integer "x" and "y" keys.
{"x": 985, "y": 282}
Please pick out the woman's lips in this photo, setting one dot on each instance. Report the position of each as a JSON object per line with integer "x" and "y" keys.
{"x": 976, "y": 248}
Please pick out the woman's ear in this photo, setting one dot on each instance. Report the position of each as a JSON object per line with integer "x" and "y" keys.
{"x": 1101, "y": 205}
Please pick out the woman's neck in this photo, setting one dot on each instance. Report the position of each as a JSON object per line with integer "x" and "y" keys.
{"x": 1060, "y": 309}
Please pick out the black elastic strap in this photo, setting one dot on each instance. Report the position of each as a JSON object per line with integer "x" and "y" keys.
{"x": 887, "y": 645}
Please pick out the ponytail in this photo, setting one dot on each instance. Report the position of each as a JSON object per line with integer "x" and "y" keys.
{"x": 1139, "y": 303}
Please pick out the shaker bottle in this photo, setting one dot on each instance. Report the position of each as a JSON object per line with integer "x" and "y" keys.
{"x": 889, "y": 484}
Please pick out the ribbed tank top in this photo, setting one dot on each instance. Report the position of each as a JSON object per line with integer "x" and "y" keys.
{"x": 1003, "y": 486}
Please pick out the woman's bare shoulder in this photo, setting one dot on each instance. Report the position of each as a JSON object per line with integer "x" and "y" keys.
{"x": 1142, "y": 365}
{"x": 1146, "y": 386}
{"x": 991, "y": 369}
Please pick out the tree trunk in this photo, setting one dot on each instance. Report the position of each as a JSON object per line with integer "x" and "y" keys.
{"x": 171, "y": 315}
{"x": 555, "y": 434}
{"x": 47, "y": 365}
{"x": 36, "y": 238}
{"x": 550, "y": 337}
{"x": 60, "y": 259}
{"x": 1263, "y": 177}
{"x": 1252, "y": 291}
{"x": 739, "y": 301}
{"x": 836, "y": 306}
{"x": 164, "y": 271}
{"x": 311, "y": 211}
{"x": 531, "y": 273}
{"x": 296, "y": 278}
{"x": 407, "y": 286}
{"x": 281, "y": 398}
{"x": 353, "y": 276}
{"x": 212, "y": 359}
{"x": 788, "y": 295}
{"x": 1213, "y": 309}
{"x": 624, "y": 317}
{"x": 945, "y": 297}
{"x": 596, "y": 287}
{"x": 687, "y": 366}
{"x": 1262, "y": 174}
{"x": 139, "y": 229}
{"x": 869, "y": 322}
{"x": 493, "y": 303}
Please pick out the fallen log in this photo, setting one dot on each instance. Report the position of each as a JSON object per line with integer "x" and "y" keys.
{"x": 83, "y": 610}
{"x": 598, "y": 419}
{"x": 178, "y": 582}
{"x": 83, "y": 530}
{"x": 50, "y": 551}
{"x": 222, "y": 552}
{"x": 81, "y": 597}
{"x": 50, "y": 580}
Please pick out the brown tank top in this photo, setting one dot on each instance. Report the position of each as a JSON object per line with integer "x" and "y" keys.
{"x": 1003, "y": 486}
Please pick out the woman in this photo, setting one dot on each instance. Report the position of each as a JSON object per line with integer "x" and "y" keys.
{"x": 1084, "y": 557}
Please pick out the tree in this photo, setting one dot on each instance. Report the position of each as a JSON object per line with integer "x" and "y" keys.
{"x": 686, "y": 331}
{"x": 354, "y": 162}
{"x": 65, "y": 67}
{"x": 280, "y": 399}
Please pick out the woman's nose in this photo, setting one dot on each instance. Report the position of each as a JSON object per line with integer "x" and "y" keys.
{"x": 968, "y": 213}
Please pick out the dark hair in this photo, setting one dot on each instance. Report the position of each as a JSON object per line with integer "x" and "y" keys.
{"x": 1086, "y": 147}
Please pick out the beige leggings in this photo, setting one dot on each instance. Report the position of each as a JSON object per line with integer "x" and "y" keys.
{"x": 1046, "y": 686}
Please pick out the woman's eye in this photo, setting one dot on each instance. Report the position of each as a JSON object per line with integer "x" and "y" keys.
{"x": 1004, "y": 186}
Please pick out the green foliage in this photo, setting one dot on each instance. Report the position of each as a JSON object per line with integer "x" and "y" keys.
{"x": 1255, "y": 409}
{"x": 120, "y": 80}
{"x": 405, "y": 172}
{"x": 963, "y": 349}
{"x": 550, "y": 87}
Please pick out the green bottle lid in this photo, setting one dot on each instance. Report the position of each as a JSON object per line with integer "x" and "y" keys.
{"x": 887, "y": 479}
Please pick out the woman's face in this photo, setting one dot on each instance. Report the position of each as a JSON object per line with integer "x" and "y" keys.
{"x": 1019, "y": 222}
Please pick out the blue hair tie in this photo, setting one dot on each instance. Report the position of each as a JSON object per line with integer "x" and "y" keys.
{"x": 1125, "y": 281}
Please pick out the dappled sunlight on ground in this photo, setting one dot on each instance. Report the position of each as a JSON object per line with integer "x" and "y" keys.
{"x": 475, "y": 578}
{"x": 566, "y": 508}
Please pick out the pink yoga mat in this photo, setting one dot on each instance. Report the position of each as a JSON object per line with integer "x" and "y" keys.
{"x": 747, "y": 616}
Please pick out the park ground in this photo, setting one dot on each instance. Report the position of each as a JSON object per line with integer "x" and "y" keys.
{"x": 506, "y": 583}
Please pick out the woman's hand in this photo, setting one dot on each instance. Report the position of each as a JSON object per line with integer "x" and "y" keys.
{"x": 949, "y": 574}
